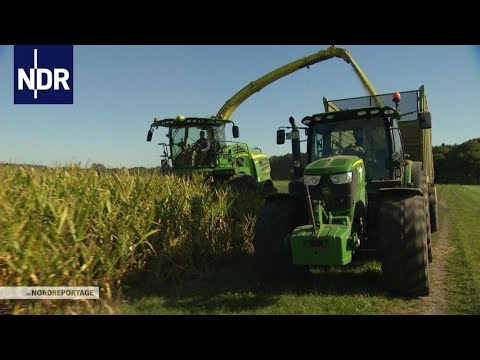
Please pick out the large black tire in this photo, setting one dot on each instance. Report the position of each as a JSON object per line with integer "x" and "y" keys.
{"x": 419, "y": 179}
{"x": 275, "y": 220}
{"x": 241, "y": 181}
{"x": 269, "y": 188}
{"x": 403, "y": 241}
{"x": 433, "y": 208}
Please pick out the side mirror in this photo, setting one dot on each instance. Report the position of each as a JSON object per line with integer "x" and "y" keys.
{"x": 149, "y": 134}
{"x": 280, "y": 136}
{"x": 235, "y": 131}
{"x": 425, "y": 120}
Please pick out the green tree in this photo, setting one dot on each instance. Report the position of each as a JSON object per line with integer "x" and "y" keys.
{"x": 458, "y": 164}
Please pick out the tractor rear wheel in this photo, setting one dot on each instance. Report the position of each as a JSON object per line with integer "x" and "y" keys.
{"x": 275, "y": 220}
{"x": 403, "y": 241}
{"x": 419, "y": 179}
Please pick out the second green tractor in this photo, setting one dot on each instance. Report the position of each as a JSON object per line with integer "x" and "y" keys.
{"x": 368, "y": 186}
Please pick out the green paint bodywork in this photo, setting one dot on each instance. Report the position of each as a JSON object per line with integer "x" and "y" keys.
{"x": 329, "y": 247}
{"x": 331, "y": 165}
{"x": 335, "y": 242}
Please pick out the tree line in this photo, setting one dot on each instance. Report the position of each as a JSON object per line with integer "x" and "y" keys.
{"x": 454, "y": 164}
{"x": 458, "y": 164}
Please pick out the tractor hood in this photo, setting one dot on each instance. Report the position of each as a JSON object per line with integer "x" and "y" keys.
{"x": 332, "y": 165}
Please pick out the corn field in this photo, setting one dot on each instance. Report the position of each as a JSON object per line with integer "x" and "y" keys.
{"x": 75, "y": 227}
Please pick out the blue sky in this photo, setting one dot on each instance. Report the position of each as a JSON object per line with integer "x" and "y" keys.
{"x": 119, "y": 89}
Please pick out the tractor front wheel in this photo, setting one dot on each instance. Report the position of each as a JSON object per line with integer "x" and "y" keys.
{"x": 275, "y": 220}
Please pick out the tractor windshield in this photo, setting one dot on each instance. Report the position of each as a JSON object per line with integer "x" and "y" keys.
{"x": 365, "y": 138}
{"x": 192, "y": 146}
{"x": 219, "y": 135}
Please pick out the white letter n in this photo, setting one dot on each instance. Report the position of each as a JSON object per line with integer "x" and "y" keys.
{"x": 29, "y": 80}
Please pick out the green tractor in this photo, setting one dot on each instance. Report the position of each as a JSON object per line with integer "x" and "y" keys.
{"x": 198, "y": 145}
{"x": 360, "y": 191}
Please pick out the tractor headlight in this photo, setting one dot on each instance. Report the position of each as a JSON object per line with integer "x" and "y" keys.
{"x": 311, "y": 180}
{"x": 344, "y": 178}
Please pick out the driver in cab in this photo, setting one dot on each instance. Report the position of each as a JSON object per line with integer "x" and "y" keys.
{"x": 202, "y": 145}
{"x": 358, "y": 148}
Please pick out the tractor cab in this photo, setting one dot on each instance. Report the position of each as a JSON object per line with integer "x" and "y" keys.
{"x": 192, "y": 142}
{"x": 369, "y": 134}
{"x": 199, "y": 145}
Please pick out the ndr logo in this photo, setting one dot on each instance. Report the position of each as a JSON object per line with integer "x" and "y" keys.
{"x": 43, "y": 74}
